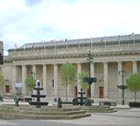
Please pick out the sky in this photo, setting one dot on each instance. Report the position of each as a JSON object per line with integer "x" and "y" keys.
{"x": 28, "y": 21}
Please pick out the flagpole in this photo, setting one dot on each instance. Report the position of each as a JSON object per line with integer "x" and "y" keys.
{"x": 33, "y": 46}
{"x": 134, "y": 39}
{"x": 24, "y": 46}
{"x": 43, "y": 42}
{"x": 44, "y": 45}
{"x": 90, "y": 42}
{"x": 119, "y": 40}
{"x": 15, "y": 47}
{"x": 105, "y": 41}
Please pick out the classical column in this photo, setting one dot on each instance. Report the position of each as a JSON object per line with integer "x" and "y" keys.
{"x": 78, "y": 80}
{"x": 134, "y": 67}
{"x": 119, "y": 69}
{"x": 14, "y": 80}
{"x": 55, "y": 80}
{"x": 44, "y": 77}
{"x": 119, "y": 78}
{"x": 24, "y": 75}
{"x": 105, "y": 79}
{"x": 92, "y": 73}
{"x": 34, "y": 71}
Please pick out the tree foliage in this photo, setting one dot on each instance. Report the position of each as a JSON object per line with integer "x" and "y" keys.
{"x": 30, "y": 82}
{"x": 133, "y": 83}
{"x": 67, "y": 75}
{"x": 1, "y": 82}
{"x": 83, "y": 83}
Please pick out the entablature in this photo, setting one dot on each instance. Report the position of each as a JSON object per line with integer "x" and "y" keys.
{"x": 99, "y": 53}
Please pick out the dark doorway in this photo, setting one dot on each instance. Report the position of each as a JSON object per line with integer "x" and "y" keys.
{"x": 101, "y": 92}
{"x": 75, "y": 92}
{"x": 7, "y": 89}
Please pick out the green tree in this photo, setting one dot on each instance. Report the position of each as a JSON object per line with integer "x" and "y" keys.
{"x": 133, "y": 83}
{"x": 83, "y": 83}
{"x": 67, "y": 75}
{"x": 1, "y": 82}
{"x": 30, "y": 83}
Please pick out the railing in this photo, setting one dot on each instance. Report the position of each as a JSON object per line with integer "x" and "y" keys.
{"x": 70, "y": 51}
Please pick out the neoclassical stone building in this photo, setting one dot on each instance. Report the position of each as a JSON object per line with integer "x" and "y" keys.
{"x": 43, "y": 59}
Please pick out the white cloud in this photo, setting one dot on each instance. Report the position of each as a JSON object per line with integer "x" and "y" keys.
{"x": 60, "y": 19}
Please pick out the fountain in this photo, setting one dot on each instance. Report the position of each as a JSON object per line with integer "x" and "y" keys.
{"x": 38, "y": 95}
{"x": 82, "y": 100}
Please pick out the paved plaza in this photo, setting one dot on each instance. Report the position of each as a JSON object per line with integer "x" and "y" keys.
{"x": 123, "y": 117}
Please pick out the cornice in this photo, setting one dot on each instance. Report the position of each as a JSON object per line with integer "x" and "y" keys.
{"x": 74, "y": 53}
{"x": 68, "y": 56}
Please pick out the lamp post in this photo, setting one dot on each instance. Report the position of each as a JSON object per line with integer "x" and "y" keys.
{"x": 122, "y": 87}
{"x": 90, "y": 59}
{"x": 90, "y": 79}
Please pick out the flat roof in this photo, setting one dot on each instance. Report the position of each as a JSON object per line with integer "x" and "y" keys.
{"x": 69, "y": 42}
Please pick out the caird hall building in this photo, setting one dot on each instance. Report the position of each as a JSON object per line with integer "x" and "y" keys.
{"x": 111, "y": 56}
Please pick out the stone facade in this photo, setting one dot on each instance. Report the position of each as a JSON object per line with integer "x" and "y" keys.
{"x": 43, "y": 60}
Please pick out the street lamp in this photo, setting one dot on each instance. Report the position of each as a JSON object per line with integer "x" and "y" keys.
{"x": 90, "y": 79}
{"x": 122, "y": 87}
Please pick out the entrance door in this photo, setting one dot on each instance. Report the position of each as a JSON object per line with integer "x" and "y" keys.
{"x": 101, "y": 92}
{"x": 7, "y": 88}
{"x": 75, "y": 92}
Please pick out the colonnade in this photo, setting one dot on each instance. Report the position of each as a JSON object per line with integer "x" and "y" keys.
{"x": 79, "y": 69}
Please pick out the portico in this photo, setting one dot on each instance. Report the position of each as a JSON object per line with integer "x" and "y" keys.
{"x": 107, "y": 74}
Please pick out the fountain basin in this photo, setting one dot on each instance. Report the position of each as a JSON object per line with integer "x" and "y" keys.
{"x": 41, "y": 96}
{"x": 38, "y": 103}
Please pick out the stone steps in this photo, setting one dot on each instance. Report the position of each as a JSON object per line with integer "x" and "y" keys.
{"x": 22, "y": 112}
{"x": 4, "y": 115}
{"x": 45, "y": 112}
{"x": 98, "y": 109}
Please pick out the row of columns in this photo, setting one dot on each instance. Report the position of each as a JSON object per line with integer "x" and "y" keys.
{"x": 92, "y": 73}
{"x": 105, "y": 73}
{"x": 79, "y": 68}
{"x": 24, "y": 76}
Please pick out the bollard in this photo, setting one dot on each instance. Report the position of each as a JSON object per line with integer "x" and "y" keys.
{"x": 16, "y": 101}
{"x": 59, "y": 103}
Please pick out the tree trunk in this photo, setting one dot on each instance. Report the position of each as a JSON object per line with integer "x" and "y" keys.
{"x": 66, "y": 91}
{"x": 135, "y": 96}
